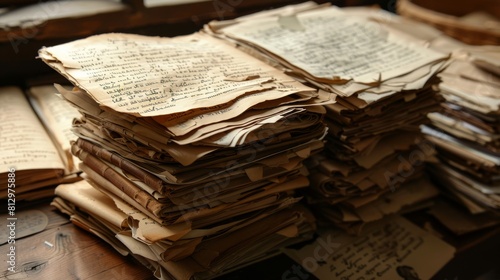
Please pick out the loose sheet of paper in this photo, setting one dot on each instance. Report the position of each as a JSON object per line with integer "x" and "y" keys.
{"x": 152, "y": 76}
{"x": 24, "y": 143}
{"x": 392, "y": 249}
{"x": 335, "y": 46}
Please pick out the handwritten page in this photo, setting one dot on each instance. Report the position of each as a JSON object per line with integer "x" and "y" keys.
{"x": 57, "y": 115}
{"x": 24, "y": 143}
{"x": 152, "y": 76}
{"x": 334, "y": 46}
{"x": 392, "y": 249}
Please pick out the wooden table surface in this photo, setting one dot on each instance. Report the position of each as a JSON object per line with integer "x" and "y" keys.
{"x": 64, "y": 251}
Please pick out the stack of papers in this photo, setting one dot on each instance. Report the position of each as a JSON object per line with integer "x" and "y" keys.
{"x": 192, "y": 150}
{"x": 467, "y": 117}
{"x": 466, "y": 133}
{"x": 385, "y": 84}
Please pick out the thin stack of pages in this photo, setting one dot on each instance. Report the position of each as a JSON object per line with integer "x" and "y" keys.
{"x": 34, "y": 143}
{"x": 192, "y": 150}
{"x": 466, "y": 132}
{"x": 385, "y": 84}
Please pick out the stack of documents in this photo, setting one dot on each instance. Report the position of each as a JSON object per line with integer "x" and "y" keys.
{"x": 464, "y": 130}
{"x": 191, "y": 148}
{"x": 466, "y": 133}
{"x": 385, "y": 84}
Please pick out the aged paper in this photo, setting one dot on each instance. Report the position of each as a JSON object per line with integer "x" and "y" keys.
{"x": 236, "y": 108}
{"x": 84, "y": 196}
{"x": 152, "y": 76}
{"x": 114, "y": 211}
{"x": 469, "y": 71}
{"x": 57, "y": 115}
{"x": 460, "y": 147}
{"x": 460, "y": 221}
{"x": 461, "y": 129}
{"x": 333, "y": 46}
{"x": 390, "y": 250}
{"x": 408, "y": 194}
{"x": 249, "y": 117}
{"x": 24, "y": 143}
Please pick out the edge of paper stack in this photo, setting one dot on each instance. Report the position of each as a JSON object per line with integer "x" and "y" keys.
{"x": 465, "y": 132}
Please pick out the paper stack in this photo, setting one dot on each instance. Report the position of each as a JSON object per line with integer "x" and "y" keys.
{"x": 385, "y": 85}
{"x": 466, "y": 133}
{"x": 191, "y": 148}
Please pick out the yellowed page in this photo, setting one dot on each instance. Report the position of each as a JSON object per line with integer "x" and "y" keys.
{"x": 143, "y": 227}
{"x": 136, "y": 247}
{"x": 480, "y": 94}
{"x": 387, "y": 250}
{"x": 83, "y": 195}
{"x": 24, "y": 143}
{"x": 408, "y": 194}
{"x": 461, "y": 129}
{"x": 57, "y": 115}
{"x": 335, "y": 46}
{"x": 468, "y": 70}
{"x": 458, "y": 147}
{"x": 152, "y": 76}
{"x": 487, "y": 62}
{"x": 148, "y": 230}
{"x": 240, "y": 105}
{"x": 243, "y": 120}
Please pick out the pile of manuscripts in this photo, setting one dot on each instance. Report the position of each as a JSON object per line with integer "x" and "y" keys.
{"x": 385, "y": 84}
{"x": 192, "y": 150}
{"x": 466, "y": 132}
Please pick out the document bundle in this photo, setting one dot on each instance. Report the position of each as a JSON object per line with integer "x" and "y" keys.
{"x": 192, "y": 150}
{"x": 466, "y": 132}
{"x": 385, "y": 83}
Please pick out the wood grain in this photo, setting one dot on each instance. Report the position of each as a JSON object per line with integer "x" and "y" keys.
{"x": 63, "y": 251}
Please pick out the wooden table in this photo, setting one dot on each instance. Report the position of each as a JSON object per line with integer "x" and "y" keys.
{"x": 64, "y": 251}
